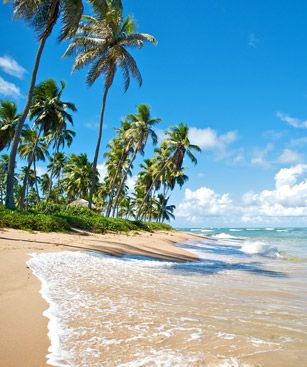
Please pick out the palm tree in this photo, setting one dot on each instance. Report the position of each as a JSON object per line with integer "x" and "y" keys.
{"x": 8, "y": 121}
{"x": 78, "y": 176}
{"x": 136, "y": 137}
{"x": 165, "y": 211}
{"x": 117, "y": 161}
{"x": 33, "y": 148}
{"x": 102, "y": 42}
{"x": 4, "y": 160}
{"x": 32, "y": 180}
{"x": 45, "y": 183}
{"x": 51, "y": 115}
{"x": 56, "y": 167}
{"x": 42, "y": 15}
{"x": 174, "y": 149}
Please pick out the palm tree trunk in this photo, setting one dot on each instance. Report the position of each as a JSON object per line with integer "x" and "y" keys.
{"x": 124, "y": 179}
{"x": 109, "y": 207}
{"x": 59, "y": 183}
{"x": 26, "y": 178}
{"x": 11, "y": 167}
{"x": 35, "y": 177}
{"x": 154, "y": 181}
{"x": 53, "y": 15}
{"x": 56, "y": 149}
{"x": 104, "y": 100}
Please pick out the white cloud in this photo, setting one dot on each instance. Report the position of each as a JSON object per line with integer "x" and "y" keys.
{"x": 102, "y": 169}
{"x": 289, "y": 156}
{"x": 41, "y": 170}
{"x": 131, "y": 181}
{"x": 8, "y": 89}
{"x": 292, "y": 121}
{"x": 11, "y": 67}
{"x": 287, "y": 199}
{"x": 259, "y": 157}
{"x": 208, "y": 139}
{"x": 203, "y": 202}
{"x": 289, "y": 176}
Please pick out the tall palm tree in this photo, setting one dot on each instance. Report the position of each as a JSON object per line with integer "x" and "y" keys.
{"x": 102, "y": 42}
{"x": 8, "y": 121}
{"x": 50, "y": 114}
{"x": 136, "y": 137}
{"x": 33, "y": 148}
{"x": 42, "y": 15}
{"x": 4, "y": 161}
{"x": 175, "y": 147}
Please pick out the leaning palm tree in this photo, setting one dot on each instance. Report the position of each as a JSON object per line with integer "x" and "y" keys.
{"x": 136, "y": 137}
{"x": 102, "y": 42}
{"x": 8, "y": 121}
{"x": 42, "y": 15}
{"x": 175, "y": 147}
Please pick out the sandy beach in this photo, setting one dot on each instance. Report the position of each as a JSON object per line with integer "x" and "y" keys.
{"x": 23, "y": 338}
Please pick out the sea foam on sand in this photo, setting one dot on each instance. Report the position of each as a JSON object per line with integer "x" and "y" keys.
{"x": 107, "y": 311}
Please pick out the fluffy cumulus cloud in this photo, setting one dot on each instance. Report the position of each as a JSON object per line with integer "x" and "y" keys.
{"x": 8, "y": 89}
{"x": 209, "y": 139}
{"x": 11, "y": 67}
{"x": 203, "y": 202}
{"x": 287, "y": 199}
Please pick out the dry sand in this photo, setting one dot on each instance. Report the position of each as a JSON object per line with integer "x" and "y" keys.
{"x": 23, "y": 337}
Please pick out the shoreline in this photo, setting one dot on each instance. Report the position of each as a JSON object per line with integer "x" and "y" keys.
{"x": 24, "y": 339}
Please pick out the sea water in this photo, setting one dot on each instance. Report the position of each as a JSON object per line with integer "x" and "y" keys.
{"x": 243, "y": 304}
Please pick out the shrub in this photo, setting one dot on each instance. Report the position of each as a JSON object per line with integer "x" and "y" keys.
{"x": 32, "y": 221}
{"x": 48, "y": 217}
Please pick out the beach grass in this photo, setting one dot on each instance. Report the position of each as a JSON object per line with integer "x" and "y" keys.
{"x": 62, "y": 218}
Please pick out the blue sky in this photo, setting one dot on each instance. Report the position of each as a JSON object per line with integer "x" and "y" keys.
{"x": 235, "y": 72}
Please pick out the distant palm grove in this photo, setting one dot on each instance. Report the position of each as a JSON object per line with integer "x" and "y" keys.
{"x": 43, "y": 130}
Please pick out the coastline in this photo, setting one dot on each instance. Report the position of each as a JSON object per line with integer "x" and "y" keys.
{"x": 24, "y": 341}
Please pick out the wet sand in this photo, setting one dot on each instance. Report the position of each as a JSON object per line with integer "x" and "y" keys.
{"x": 23, "y": 337}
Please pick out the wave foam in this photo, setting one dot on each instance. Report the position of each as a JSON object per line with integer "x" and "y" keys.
{"x": 259, "y": 248}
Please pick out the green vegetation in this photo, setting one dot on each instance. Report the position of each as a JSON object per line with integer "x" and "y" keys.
{"x": 62, "y": 218}
{"x": 102, "y": 42}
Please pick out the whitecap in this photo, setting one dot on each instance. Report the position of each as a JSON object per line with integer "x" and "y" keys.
{"x": 259, "y": 248}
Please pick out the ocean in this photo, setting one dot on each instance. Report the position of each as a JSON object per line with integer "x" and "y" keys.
{"x": 243, "y": 304}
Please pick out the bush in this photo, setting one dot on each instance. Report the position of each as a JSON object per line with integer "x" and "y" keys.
{"x": 32, "y": 221}
{"x": 48, "y": 217}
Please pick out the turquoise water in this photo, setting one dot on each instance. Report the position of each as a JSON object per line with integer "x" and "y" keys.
{"x": 289, "y": 242}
